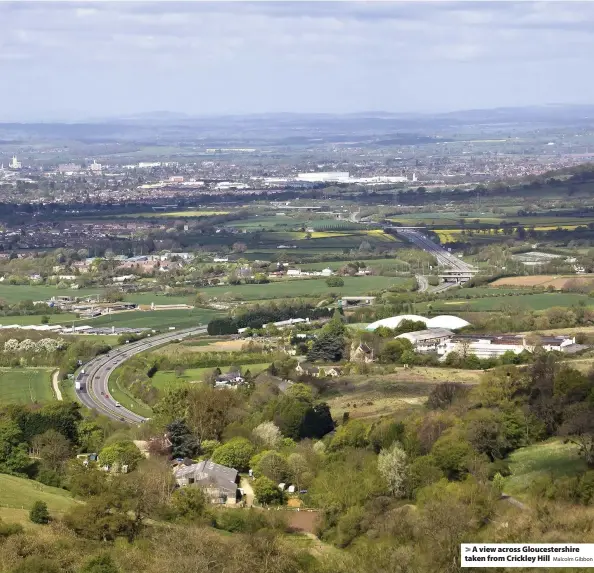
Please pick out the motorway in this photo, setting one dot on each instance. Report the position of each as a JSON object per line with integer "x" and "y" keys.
{"x": 94, "y": 392}
{"x": 444, "y": 258}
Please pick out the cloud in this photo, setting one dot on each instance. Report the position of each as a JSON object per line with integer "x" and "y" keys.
{"x": 215, "y": 57}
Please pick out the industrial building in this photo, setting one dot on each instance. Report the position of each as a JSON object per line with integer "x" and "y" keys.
{"x": 493, "y": 346}
{"x": 428, "y": 340}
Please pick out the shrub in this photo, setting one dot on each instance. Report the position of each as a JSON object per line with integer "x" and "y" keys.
{"x": 39, "y": 513}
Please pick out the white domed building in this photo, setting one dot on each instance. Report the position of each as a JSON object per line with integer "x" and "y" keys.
{"x": 442, "y": 321}
{"x": 394, "y": 321}
{"x": 447, "y": 321}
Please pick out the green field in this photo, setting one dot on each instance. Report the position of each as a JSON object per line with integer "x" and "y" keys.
{"x": 306, "y": 287}
{"x": 552, "y": 458}
{"x": 540, "y": 301}
{"x": 22, "y": 493}
{"x": 16, "y": 293}
{"x": 168, "y": 379}
{"x": 373, "y": 263}
{"x": 157, "y": 319}
{"x": 25, "y": 386}
{"x": 63, "y": 319}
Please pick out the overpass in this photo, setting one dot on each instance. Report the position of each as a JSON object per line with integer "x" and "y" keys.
{"x": 453, "y": 271}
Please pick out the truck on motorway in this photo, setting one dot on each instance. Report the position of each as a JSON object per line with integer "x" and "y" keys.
{"x": 78, "y": 385}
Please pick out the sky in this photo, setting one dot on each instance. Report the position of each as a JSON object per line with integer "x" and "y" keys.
{"x": 75, "y": 60}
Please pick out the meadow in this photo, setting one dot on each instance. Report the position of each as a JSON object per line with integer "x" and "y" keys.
{"x": 26, "y": 385}
{"x": 538, "y": 301}
{"x": 64, "y": 319}
{"x": 314, "y": 287}
{"x": 549, "y": 459}
{"x": 22, "y": 493}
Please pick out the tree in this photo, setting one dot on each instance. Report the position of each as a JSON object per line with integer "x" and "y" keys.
{"x": 334, "y": 282}
{"x": 119, "y": 454}
{"x": 452, "y": 454}
{"x": 39, "y": 513}
{"x": 443, "y": 395}
{"x": 209, "y": 411}
{"x": 267, "y": 492}
{"x": 53, "y": 448}
{"x": 100, "y": 564}
{"x": 236, "y": 453}
{"x": 183, "y": 443}
{"x": 189, "y": 503}
{"x": 267, "y": 434}
{"x": 272, "y": 465}
{"x": 393, "y": 350}
{"x": 393, "y": 467}
{"x": 327, "y": 348}
{"x": 579, "y": 429}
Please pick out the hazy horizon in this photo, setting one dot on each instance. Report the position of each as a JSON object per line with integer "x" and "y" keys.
{"x": 76, "y": 61}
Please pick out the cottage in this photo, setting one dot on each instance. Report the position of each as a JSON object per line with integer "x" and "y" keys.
{"x": 231, "y": 379}
{"x": 362, "y": 353}
{"x": 307, "y": 369}
{"x": 218, "y": 482}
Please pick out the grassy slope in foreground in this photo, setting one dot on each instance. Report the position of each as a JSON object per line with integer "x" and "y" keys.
{"x": 21, "y": 493}
{"x": 551, "y": 458}
{"x": 26, "y": 385}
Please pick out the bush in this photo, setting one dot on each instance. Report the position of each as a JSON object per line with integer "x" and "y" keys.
{"x": 100, "y": 564}
{"x": 8, "y": 529}
{"x": 267, "y": 492}
{"x": 236, "y": 453}
{"x": 334, "y": 282}
{"x": 39, "y": 513}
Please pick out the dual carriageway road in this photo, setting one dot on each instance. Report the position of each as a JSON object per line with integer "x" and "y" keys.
{"x": 94, "y": 392}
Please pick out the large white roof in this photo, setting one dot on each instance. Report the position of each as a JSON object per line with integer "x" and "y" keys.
{"x": 447, "y": 321}
{"x": 394, "y": 321}
{"x": 442, "y": 321}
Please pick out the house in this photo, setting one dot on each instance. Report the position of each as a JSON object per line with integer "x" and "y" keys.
{"x": 347, "y": 301}
{"x": 428, "y": 340}
{"x": 218, "y": 482}
{"x": 362, "y": 353}
{"x": 307, "y": 369}
{"x": 230, "y": 379}
{"x": 294, "y": 272}
{"x": 333, "y": 371}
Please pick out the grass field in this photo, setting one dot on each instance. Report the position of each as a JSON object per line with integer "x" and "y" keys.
{"x": 25, "y": 386}
{"x": 353, "y": 286}
{"x": 21, "y": 493}
{"x": 168, "y": 379}
{"x": 539, "y": 301}
{"x": 552, "y": 458}
{"x": 16, "y": 293}
{"x": 27, "y": 320}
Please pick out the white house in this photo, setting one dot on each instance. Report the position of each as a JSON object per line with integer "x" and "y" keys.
{"x": 427, "y": 340}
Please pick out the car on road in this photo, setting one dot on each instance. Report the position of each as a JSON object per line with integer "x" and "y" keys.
{"x": 117, "y": 404}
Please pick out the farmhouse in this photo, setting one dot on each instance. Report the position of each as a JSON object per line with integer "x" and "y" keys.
{"x": 218, "y": 482}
